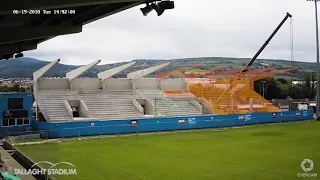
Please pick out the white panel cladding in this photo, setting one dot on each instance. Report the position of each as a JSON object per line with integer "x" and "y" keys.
{"x": 146, "y": 84}
{"x": 86, "y": 84}
{"x": 174, "y": 84}
{"x": 118, "y": 84}
{"x": 53, "y": 83}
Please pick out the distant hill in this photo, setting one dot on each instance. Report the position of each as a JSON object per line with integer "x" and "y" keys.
{"x": 24, "y": 67}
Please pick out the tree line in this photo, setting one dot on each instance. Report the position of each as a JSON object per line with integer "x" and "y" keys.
{"x": 283, "y": 88}
{"x": 16, "y": 88}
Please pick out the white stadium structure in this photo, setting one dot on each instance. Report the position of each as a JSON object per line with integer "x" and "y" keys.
{"x": 105, "y": 98}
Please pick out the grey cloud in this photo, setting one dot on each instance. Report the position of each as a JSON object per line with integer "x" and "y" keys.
{"x": 194, "y": 29}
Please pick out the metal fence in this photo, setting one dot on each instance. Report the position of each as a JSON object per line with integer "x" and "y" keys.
{"x": 169, "y": 107}
{"x": 291, "y": 104}
{"x": 121, "y": 127}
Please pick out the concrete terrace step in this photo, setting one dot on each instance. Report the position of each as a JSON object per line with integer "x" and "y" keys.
{"x": 111, "y": 104}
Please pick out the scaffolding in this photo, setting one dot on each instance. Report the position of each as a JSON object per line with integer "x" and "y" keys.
{"x": 232, "y": 95}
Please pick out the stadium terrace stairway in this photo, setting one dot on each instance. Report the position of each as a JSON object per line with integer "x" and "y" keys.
{"x": 122, "y": 100}
{"x": 172, "y": 107}
{"x": 53, "y": 105}
{"x": 101, "y": 105}
{"x": 111, "y": 105}
{"x": 166, "y": 106}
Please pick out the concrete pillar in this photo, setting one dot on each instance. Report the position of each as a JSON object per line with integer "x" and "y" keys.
{"x": 37, "y": 113}
{"x": 251, "y": 105}
{"x": 133, "y": 84}
{"x": 290, "y": 104}
{"x": 232, "y": 104}
{"x": 36, "y": 86}
{"x": 307, "y": 101}
{"x": 103, "y": 85}
{"x": 71, "y": 87}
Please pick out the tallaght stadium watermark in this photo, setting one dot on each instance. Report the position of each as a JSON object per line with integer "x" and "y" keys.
{"x": 53, "y": 170}
{"x": 307, "y": 166}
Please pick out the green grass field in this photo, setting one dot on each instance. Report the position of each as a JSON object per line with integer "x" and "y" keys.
{"x": 260, "y": 152}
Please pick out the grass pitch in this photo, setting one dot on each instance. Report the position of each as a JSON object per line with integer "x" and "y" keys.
{"x": 261, "y": 152}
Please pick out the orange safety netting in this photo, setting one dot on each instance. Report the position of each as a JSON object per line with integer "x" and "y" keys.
{"x": 233, "y": 95}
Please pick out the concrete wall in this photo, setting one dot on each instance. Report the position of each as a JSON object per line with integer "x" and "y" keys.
{"x": 137, "y": 104}
{"x": 68, "y": 107}
{"x": 74, "y": 103}
{"x": 110, "y": 84}
{"x": 54, "y": 83}
{"x": 196, "y": 104}
{"x": 118, "y": 84}
{"x": 83, "y": 110}
{"x": 207, "y": 106}
{"x": 150, "y": 109}
{"x": 174, "y": 84}
{"x": 86, "y": 84}
{"x": 148, "y": 106}
{"x": 68, "y": 129}
{"x": 146, "y": 84}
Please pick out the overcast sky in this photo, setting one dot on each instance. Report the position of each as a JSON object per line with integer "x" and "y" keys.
{"x": 195, "y": 28}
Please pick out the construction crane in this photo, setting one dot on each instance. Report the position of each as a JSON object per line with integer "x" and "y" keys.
{"x": 233, "y": 81}
{"x": 266, "y": 43}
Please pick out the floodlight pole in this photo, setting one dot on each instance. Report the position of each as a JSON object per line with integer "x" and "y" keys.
{"x": 263, "y": 88}
{"x": 318, "y": 67}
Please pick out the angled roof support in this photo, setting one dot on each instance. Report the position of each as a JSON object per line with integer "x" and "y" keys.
{"x": 144, "y": 72}
{"x": 110, "y": 72}
{"x": 77, "y": 72}
{"x": 39, "y": 73}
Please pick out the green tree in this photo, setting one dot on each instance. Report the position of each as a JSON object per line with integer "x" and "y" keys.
{"x": 15, "y": 88}
{"x": 309, "y": 83}
{"x": 272, "y": 87}
{"x": 4, "y": 88}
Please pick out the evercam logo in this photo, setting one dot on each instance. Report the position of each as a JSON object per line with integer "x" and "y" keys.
{"x": 53, "y": 170}
{"x": 303, "y": 165}
{"x": 307, "y": 165}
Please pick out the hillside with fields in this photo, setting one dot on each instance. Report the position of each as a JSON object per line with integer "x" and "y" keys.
{"x": 24, "y": 67}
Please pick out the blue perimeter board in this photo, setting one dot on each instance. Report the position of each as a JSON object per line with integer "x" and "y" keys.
{"x": 109, "y": 127}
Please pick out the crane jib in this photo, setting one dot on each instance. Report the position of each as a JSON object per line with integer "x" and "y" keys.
{"x": 266, "y": 43}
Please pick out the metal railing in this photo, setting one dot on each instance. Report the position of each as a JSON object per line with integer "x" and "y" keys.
{"x": 169, "y": 107}
{"x": 290, "y": 104}
{"x": 163, "y": 124}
